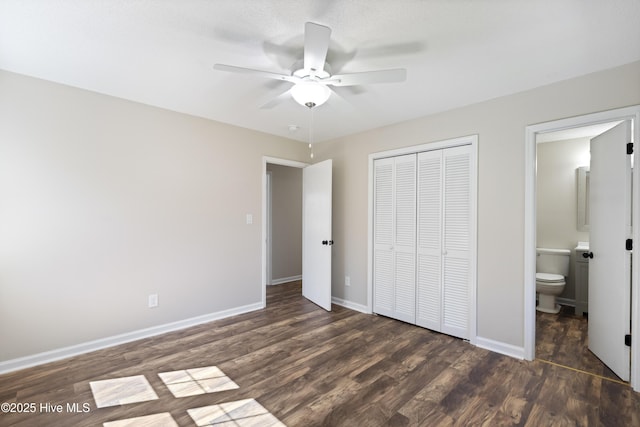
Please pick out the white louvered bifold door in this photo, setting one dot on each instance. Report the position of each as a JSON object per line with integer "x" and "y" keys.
{"x": 429, "y": 266}
{"x": 404, "y": 246}
{"x": 424, "y": 239}
{"x": 394, "y": 237}
{"x": 383, "y": 230}
{"x": 457, "y": 232}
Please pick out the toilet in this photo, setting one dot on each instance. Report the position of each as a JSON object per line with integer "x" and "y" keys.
{"x": 552, "y": 269}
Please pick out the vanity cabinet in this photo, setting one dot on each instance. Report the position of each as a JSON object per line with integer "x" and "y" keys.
{"x": 582, "y": 281}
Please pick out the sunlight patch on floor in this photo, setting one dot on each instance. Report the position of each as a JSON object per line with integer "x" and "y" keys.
{"x": 183, "y": 383}
{"x": 122, "y": 391}
{"x": 242, "y": 413}
{"x": 192, "y": 382}
{"x": 157, "y": 420}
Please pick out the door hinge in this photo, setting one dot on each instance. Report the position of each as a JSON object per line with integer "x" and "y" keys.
{"x": 629, "y": 147}
{"x": 627, "y": 340}
{"x": 629, "y": 244}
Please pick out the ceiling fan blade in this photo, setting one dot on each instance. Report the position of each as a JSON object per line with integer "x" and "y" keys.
{"x": 368, "y": 77}
{"x": 316, "y": 45}
{"x": 260, "y": 73}
{"x": 339, "y": 102}
{"x": 277, "y": 100}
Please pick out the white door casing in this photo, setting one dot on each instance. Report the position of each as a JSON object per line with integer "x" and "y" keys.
{"x": 610, "y": 267}
{"x": 316, "y": 233}
{"x": 269, "y": 227}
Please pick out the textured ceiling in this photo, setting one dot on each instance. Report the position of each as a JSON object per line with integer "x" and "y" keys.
{"x": 161, "y": 52}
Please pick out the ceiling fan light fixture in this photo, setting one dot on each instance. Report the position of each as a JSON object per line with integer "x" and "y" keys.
{"x": 310, "y": 94}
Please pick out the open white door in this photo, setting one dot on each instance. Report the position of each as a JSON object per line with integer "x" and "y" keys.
{"x": 316, "y": 233}
{"x": 610, "y": 266}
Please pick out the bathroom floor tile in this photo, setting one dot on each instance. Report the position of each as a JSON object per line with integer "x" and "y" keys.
{"x": 244, "y": 413}
{"x": 121, "y": 391}
{"x": 156, "y": 420}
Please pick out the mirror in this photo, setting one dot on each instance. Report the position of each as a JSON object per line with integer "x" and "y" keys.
{"x": 583, "y": 198}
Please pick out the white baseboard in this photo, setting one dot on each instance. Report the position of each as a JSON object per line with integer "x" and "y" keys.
{"x": 500, "y": 347}
{"x": 74, "y": 350}
{"x": 350, "y": 305}
{"x": 286, "y": 280}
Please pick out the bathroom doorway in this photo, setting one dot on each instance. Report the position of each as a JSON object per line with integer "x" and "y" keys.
{"x": 562, "y": 222}
{"x": 534, "y": 135}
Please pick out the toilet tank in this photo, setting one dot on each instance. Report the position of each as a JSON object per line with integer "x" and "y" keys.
{"x": 554, "y": 261}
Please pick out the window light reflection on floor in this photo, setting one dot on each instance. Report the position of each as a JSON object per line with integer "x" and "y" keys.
{"x": 191, "y": 382}
{"x": 182, "y": 383}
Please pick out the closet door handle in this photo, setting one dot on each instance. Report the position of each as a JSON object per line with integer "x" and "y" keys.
{"x": 587, "y": 254}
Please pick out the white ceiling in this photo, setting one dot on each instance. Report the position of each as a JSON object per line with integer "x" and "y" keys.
{"x": 161, "y": 52}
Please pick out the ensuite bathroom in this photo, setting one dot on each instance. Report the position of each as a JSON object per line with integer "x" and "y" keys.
{"x": 562, "y": 261}
{"x": 562, "y": 228}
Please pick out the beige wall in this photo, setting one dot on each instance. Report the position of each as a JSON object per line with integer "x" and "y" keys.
{"x": 286, "y": 205}
{"x": 500, "y": 124}
{"x": 556, "y": 203}
{"x": 104, "y": 201}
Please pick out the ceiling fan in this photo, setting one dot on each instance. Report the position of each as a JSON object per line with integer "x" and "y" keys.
{"x": 311, "y": 76}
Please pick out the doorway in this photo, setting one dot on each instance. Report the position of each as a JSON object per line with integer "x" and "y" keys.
{"x": 280, "y": 217}
{"x": 532, "y": 133}
{"x": 563, "y": 162}
{"x": 284, "y": 224}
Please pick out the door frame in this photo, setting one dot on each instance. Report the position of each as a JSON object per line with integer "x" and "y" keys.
{"x": 269, "y": 230}
{"x": 627, "y": 113}
{"x": 436, "y": 145}
{"x": 273, "y": 161}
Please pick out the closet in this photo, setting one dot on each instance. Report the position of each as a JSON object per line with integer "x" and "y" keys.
{"x": 424, "y": 238}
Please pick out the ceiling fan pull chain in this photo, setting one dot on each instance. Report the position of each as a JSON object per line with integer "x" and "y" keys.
{"x": 311, "y": 133}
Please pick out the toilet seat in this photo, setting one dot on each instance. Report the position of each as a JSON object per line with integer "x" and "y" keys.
{"x": 549, "y": 278}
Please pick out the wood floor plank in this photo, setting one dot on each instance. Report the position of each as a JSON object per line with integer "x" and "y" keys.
{"x": 309, "y": 367}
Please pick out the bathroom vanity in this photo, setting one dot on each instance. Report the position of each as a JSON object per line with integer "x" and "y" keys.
{"x": 582, "y": 278}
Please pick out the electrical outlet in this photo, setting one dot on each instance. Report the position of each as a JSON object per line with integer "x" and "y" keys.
{"x": 249, "y": 219}
{"x": 153, "y": 300}
{"x": 347, "y": 281}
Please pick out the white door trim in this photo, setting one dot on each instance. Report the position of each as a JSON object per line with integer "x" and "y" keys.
{"x": 455, "y": 142}
{"x": 274, "y": 161}
{"x": 269, "y": 228}
{"x": 627, "y": 113}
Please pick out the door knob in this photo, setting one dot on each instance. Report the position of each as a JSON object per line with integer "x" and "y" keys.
{"x": 587, "y": 254}
{"x": 327, "y": 242}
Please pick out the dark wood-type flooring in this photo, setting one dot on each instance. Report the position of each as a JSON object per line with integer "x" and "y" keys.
{"x": 309, "y": 367}
{"x": 563, "y": 338}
